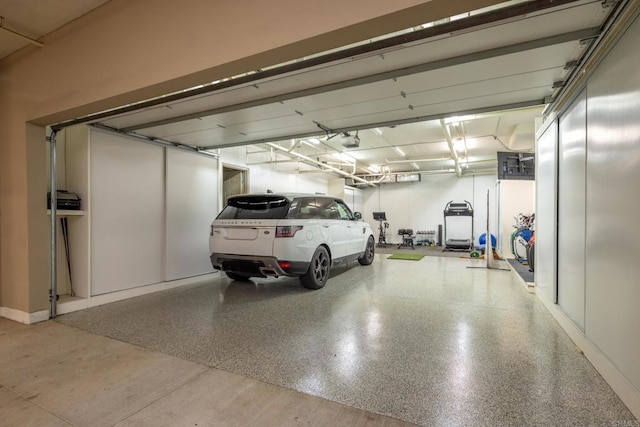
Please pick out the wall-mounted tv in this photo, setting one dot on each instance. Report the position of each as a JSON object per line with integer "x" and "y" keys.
{"x": 512, "y": 165}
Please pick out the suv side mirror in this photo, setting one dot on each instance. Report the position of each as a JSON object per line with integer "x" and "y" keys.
{"x": 357, "y": 216}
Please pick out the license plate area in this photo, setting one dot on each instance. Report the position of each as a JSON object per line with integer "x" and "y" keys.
{"x": 241, "y": 233}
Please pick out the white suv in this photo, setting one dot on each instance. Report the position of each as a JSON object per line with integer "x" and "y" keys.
{"x": 260, "y": 235}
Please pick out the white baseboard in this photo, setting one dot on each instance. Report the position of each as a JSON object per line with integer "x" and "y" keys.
{"x": 618, "y": 382}
{"x": 75, "y": 304}
{"x": 23, "y": 316}
{"x": 68, "y": 305}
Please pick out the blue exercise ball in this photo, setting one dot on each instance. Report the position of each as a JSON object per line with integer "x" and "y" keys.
{"x": 525, "y": 233}
{"x": 483, "y": 240}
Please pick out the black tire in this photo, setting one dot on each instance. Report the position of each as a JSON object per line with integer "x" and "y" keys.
{"x": 531, "y": 250}
{"x": 369, "y": 252}
{"x": 318, "y": 272}
{"x": 237, "y": 276}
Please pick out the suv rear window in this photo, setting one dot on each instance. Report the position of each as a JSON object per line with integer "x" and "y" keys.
{"x": 256, "y": 207}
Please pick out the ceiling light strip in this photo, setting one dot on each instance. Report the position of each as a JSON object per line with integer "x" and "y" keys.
{"x": 438, "y": 159}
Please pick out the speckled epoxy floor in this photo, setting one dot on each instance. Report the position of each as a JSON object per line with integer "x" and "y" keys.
{"x": 430, "y": 342}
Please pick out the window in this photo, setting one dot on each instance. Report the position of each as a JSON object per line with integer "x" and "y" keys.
{"x": 307, "y": 208}
{"x": 344, "y": 211}
{"x": 252, "y": 207}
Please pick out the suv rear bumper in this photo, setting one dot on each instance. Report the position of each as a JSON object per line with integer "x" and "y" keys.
{"x": 260, "y": 266}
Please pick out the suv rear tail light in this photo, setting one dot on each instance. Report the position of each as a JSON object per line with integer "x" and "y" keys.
{"x": 287, "y": 230}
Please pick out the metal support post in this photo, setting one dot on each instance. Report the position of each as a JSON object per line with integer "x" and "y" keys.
{"x": 53, "y": 292}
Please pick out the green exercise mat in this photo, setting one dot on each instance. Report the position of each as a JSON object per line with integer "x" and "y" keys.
{"x": 410, "y": 257}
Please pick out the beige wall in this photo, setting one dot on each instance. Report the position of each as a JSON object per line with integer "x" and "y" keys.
{"x": 130, "y": 50}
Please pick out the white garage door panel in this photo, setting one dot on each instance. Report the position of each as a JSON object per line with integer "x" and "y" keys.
{"x": 438, "y": 109}
{"x": 527, "y": 81}
{"x": 176, "y": 130}
{"x": 460, "y": 43}
{"x": 192, "y": 195}
{"x": 331, "y": 106}
{"x": 138, "y": 116}
{"x": 506, "y": 65}
{"x": 355, "y": 110}
{"x": 228, "y": 119}
{"x": 235, "y": 132}
{"x": 202, "y": 139}
{"x": 613, "y": 156}
{"x": 532, "y": 28}
{"x": 546, "y": 179}
{"x": 187, "y": 106}
{"x": 126, "y": 213}
{"x": 353, "y": 95}
{"x": 571, "y": 210}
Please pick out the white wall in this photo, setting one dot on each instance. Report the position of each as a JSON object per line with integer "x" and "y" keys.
{"x": 420, "y": 205}
{"x": 604, "y": 289}
{"x": 613, "y": 155}
{"x": 191, "y": 204}
{"x": 516, "y": 197}
{"x": 147, "y": 211}
{"x": 76, "y": 172}
{"x": 275, "y": 177}
{"x": 572, "y": 152}
{"x": 127, "y": 216}
{"x": 148, "y": 208}
{"x": 337, "y": 187}
{"x": 354, "y": 198}
{"x": 546, "y": 195}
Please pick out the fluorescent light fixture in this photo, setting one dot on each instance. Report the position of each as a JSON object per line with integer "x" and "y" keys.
{"x": 460, "y": 16}
{"x": 308, "y": 143}
{"x": 377, "y": 131}
{"x": 399, "y": 151}
{"x": 411, "y": 177}
{"x": 415, "y": 165}
{"x": 314, "y": 141}
{"x": 374, "y": 169}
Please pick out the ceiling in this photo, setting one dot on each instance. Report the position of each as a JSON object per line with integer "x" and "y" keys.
{"x": 444, "y": 101}
{"x": 440, "y": 104}
{"x": 37, "y": 18}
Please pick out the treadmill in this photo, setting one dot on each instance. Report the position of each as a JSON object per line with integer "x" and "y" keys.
{"x": 461, "y": 210}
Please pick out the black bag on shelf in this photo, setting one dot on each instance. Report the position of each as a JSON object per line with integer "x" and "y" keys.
{"x": 65, "y": 200}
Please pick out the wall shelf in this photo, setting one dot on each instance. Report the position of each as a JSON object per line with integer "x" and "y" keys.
{"x": 65, "y": 212}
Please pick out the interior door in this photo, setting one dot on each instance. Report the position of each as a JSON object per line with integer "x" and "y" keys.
{"x": 234, "y": 182}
